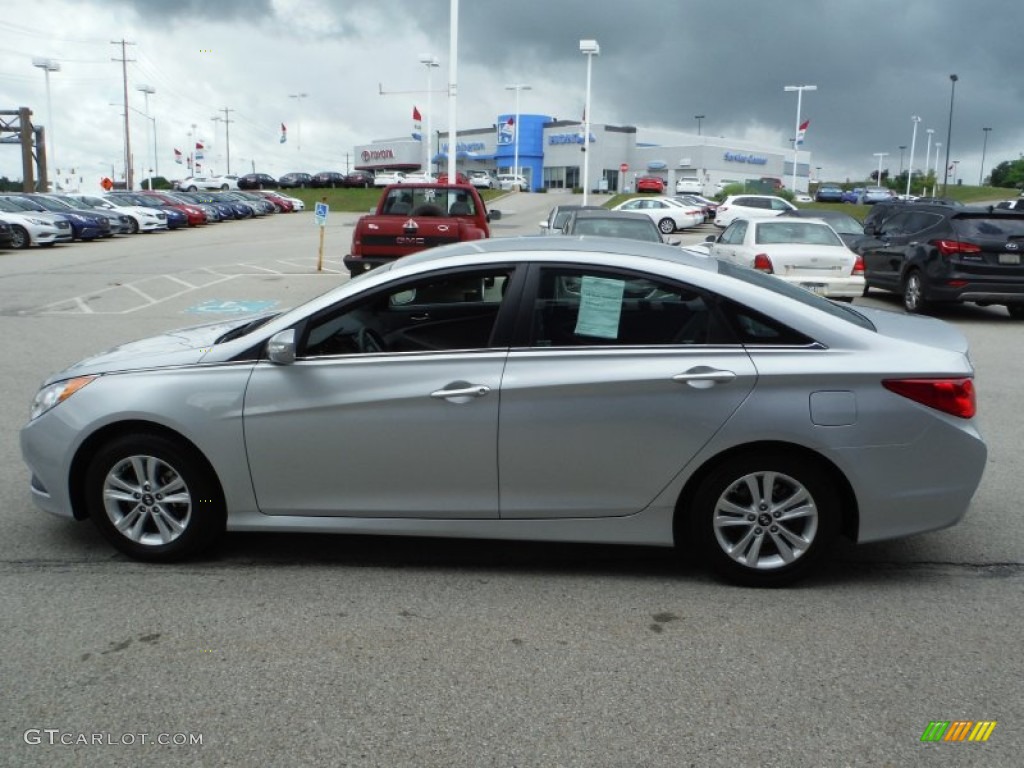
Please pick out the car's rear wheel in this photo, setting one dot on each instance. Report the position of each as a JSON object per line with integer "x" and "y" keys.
{"x": 667, "y": 226}
{"x": 913, "y": 293}
{"x": 133, "y": 227}
{"x": 20, "y": 238}
{"x": 193, "y": 188}
{"x": 1016, "y": 311}
{"x": 763, "y": 519}
{"x": 153, "y": 498}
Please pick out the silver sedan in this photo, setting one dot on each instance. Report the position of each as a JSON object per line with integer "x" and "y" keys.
{"x": 536, "y": 388}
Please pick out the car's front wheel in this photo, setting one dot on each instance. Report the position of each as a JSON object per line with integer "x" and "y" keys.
{"x": 762, "y": 519}
{"x": 20, "y": 238}
{"x": 1016, "y": 311}
{"x": 667, "y": 226}
{"x": 913, "y": 293}
{"x": 153, "y": 498}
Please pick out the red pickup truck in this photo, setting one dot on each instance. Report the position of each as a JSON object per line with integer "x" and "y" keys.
{"x": 412, "y": 217}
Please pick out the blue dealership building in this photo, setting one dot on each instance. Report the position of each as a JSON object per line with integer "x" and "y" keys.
{"x": 551, "y": 155}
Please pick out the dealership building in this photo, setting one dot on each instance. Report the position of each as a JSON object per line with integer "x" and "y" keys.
{"x": 551, "y": 155}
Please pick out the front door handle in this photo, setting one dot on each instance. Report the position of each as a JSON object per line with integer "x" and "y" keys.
{"x": 462, "y": 390}
{"x": 704, "y": 377}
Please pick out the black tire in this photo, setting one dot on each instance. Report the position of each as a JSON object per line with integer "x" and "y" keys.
{"x": 866, "y": 291}
{"x": 224, "y": 187}
{"x": 667, "y": 226}
{"x": 913, "y": 293}
{"x": 785, "y": 545}
{"x": 134, "y": 227}
{"x": 20, "y": 239}
{"x": 1016, "y": 311}
{"x": 160, "y": 529}
{"x": 193, "y": 188}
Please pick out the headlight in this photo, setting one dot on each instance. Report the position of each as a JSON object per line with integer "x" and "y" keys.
{"x": 40, "y": 222}
{"x": 54, "y": 394}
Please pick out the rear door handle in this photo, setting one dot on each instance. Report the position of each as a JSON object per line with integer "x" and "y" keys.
{"x": 476, "y": 390}
{"x": 704, "y": 377}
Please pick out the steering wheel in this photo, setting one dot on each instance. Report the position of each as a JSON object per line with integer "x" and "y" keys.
{"x": 369, "y": 341}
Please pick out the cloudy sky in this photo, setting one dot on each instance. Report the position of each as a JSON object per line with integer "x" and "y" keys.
{"x": 875, "y": 62}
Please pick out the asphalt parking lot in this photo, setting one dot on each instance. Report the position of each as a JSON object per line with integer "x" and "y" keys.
{"x": 308, "y": 650}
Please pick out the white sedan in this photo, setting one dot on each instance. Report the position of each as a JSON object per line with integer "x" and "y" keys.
{"x": 669, "y": 214}
{"x": 805, "y": 252}
{"x": 386, "y": 178}
{"x": 196, "y": 183}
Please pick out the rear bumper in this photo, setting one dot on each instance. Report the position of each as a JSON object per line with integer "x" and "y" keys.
{"x": 359, "y": 264}
{"x": 832, "y": 288}
{"x": 980, "y": 291}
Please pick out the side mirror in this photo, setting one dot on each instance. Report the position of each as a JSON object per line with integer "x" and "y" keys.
{"x": 711, "y": 239}
{"x": 493, "y": 215}
{"x": 674, "y": 241}
{"x": 871, "y": 229}
{"x": 281, "y": 347}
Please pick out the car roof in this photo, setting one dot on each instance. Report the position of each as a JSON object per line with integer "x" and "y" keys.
{"x": 593, "y": 212}
{"x": 569, "y": 245}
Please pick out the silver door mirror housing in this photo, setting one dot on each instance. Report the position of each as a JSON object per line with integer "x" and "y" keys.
{"x": 281, "y": 347}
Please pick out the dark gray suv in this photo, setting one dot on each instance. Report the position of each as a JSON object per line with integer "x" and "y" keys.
{"x": 939, "y": 253}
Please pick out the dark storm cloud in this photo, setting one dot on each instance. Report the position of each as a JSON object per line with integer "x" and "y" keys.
{"x": 875, "y": 62}
{"x": 197, "y": 11}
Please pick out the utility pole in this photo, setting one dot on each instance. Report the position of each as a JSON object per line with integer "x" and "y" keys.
{"x": 227, "y": 134}
{"x": 129, "y": 176}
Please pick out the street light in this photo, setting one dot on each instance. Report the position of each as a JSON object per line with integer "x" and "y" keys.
{"x": 298, "y": 98}
{"x": 146, "y": 90}
{"x": 913, "y": 143}
{"x": 928, "y": 152}
{"x": 796, "y": 134}
{"x": 590, "y": 49}
{"x": 984, "y": 146}
{"x": 517, "y": 88}
{"x": 48, "y": 66}
{"x": 880, "y": 155}
{"x": 431, "y": 63}
{"x": 698, "y": 118}
{"x": 949, "y": 130}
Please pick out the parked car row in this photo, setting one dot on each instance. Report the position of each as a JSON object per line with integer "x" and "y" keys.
{"x": 929, "y": 251}
{"x": 44, "y": 219}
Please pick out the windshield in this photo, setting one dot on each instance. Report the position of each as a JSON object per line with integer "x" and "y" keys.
{"x": 795, "y": 292}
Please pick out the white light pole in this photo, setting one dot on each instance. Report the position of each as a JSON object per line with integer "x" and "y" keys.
{"x": 517, "y": 88}
{"x": 590, "y": 49}
{"x": 984, "y": 146}
{"x": 453, "y": 86}
{"x": 938, "y": 145}
{"x": 913, "y": 140}
{"x": 298, "y": 120}
{"x": 146, "y": 90}
{"x": 48, "y": 66}
{"x": 796, "y": 134}
{"x": 431, "y": 63}
{"x": 880, "y": 155}
{"x": 928, "y": 152}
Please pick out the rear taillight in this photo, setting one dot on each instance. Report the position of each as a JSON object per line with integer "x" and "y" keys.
{"x": 953, "y": 247}
{"x": 858, "y": 266}
{"x": 763, "y": 264}
{"x": 952, "y": 396}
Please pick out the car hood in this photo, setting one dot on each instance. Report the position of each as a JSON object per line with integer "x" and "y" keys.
{"x": 185, "y": 346}
{"x": 921, "y": 330}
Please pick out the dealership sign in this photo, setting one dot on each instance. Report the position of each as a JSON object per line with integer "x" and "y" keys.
{"x": 569, "y": 138}
{"x": 740, "y": 157}
{"x": 378, "y": 154}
